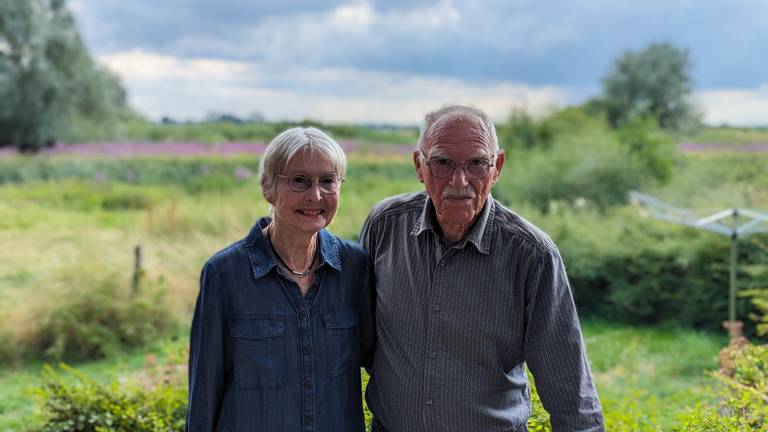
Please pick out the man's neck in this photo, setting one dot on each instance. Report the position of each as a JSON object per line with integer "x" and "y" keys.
{"x": 452, "y": 231}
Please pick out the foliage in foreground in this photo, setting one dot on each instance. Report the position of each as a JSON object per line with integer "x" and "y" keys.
{"x": 743, "y": 402}
{"x": 153, "y": 402}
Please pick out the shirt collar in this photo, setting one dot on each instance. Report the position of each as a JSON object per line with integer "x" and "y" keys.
{"x": 479, "y": 235}
{"x": 263, "y": 259}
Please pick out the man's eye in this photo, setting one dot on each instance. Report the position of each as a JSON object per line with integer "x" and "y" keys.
{"x": 475, "y": 162}
{"x": 443, "y": 162}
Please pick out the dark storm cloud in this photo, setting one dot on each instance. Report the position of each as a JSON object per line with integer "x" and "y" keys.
{"x": 566, "y": 43}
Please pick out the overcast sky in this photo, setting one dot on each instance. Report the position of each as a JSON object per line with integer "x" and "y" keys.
{"x": 379, "y": 61}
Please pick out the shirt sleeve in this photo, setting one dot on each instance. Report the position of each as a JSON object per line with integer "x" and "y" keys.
{"x": 368, "y": 299}
{"x": 208, "y": 356}
{"x": 367, "y": 317}
{"x": 554, "y": 348}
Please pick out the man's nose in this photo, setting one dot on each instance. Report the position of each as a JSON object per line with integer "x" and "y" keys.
{"x": 459, "y": 177}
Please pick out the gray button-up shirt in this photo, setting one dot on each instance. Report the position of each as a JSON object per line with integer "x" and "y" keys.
{"x": 457, "y": 326}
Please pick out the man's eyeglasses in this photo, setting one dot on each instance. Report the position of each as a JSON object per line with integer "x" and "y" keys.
{"x": 328, "y": 184}
{"x": 443, "y": 168}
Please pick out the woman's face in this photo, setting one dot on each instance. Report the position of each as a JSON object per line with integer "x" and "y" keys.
{"x": 311, "y": 210}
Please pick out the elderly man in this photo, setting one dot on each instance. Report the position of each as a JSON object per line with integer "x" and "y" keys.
{"x": 468, "y": 294}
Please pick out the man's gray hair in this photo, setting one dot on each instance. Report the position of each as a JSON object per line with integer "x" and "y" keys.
{"x": 288, "y": 144}
{"x": 459, "y": 112}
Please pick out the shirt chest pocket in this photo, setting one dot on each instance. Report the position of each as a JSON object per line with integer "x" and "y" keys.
{"x": 259, "y": 352}
{"x": 342, "y": 341}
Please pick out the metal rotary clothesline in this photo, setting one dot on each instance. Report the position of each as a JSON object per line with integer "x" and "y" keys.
{"x": 733, "y": 222}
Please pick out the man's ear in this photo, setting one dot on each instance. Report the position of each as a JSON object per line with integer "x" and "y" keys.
{"x": 419, "y": 164}
{"x": 499, "y": 163}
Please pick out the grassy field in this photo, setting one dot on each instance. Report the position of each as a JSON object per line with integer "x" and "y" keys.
{"x": 68, "y": 224}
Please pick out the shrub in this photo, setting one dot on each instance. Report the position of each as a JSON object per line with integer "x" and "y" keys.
{"x": 743, "y": 402}
{"x": 99, "y": 321}
{"x": 633, "y": 269}
{"x": 759, "y": 298}
{"x": 87, "y": 406}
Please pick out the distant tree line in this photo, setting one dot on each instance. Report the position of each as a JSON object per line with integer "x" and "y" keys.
{"x": 49, "y": 84}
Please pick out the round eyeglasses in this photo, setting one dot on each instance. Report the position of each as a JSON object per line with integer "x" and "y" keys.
{"x": 442, "y": 168}
{"x": 299, "y": 183}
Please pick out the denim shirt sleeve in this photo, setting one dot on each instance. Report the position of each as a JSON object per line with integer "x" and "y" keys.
{"x": 208, "y": 354}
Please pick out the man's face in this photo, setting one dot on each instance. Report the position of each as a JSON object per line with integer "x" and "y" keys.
{"x": 458, "y": 199}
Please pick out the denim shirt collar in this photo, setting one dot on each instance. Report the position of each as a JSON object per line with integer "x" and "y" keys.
{"x": 479, "y": 235}
{"x": 263, "y": 259}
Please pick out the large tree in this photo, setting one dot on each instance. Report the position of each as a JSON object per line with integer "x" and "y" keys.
{"x": 652, "y": 82}
{"x": 47, "y": 78}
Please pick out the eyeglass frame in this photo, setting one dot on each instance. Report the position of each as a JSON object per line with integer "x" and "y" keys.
{"x": 314, "y": 181}
{"x": 428, "y": 162}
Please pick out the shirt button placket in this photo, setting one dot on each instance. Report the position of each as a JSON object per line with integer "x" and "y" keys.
{"x": 307, "y": 369}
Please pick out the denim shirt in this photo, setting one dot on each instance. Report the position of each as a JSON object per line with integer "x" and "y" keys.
{"x": 265, "y": 358}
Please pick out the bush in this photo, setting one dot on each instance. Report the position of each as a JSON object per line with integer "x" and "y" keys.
{"x": 100, "y": 321}
{"x": 625, "y": 267}
{"x": 86, "y": 406}
{"x": 743, "y": 403}
{"x": 572, "y": 156}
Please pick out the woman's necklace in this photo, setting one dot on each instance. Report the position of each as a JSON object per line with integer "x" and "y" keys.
{"x": 297, "y": 273}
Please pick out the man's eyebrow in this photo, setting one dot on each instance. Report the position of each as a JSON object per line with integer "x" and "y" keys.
{"x": 441, "y": 155}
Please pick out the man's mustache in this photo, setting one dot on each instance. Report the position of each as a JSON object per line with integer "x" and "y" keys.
{"x": 450, "y": 192}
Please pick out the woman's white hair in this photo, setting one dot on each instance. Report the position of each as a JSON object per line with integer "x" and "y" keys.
{"x": 288, "y": 144}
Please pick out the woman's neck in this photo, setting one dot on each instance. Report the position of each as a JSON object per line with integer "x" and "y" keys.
{"x": 296, "y": 249}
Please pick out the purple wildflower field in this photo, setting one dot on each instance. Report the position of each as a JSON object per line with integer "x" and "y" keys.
{"x": 128, "y": 149}
{"x": 690, "y": 147}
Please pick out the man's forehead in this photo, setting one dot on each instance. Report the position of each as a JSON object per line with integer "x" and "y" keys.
{"x": 459, "y": 130}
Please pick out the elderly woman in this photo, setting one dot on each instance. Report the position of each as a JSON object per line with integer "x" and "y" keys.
{"x": 282, "y": 322}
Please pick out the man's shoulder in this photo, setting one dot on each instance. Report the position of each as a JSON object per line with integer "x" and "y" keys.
{"x": 399, "y": 204}
{"x": 511, "y": 224}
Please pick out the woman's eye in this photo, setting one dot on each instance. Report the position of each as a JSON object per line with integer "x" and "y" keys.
{"x": 300, "y": 180}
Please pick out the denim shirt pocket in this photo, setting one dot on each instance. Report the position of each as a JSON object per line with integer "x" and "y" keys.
{"x": 260, "y": 352}
{"x": 341, "y": 340}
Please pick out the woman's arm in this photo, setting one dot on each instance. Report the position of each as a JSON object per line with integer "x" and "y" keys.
{"x": 208, "y": 356}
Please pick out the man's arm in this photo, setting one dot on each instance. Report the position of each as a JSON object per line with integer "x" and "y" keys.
{"x": 554, "y": 348}
{"x": 367, "y": 311}
{"x": 207, "y": 355}
{"x": 368, "y": 301}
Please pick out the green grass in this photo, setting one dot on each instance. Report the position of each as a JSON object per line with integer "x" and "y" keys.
{"x": 728, "y": 135}
{"x": 664, "y": 369}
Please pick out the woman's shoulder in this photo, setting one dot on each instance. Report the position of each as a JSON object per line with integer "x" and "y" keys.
{"x": 227, "y": 255}
{"x": 242, "y": 250}
{"x": 348, "y": 249}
